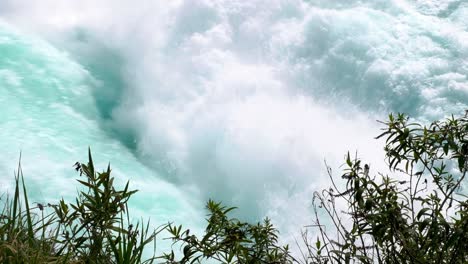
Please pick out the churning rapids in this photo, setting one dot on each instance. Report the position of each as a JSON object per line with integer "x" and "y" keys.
{"x": 235, "y": 100}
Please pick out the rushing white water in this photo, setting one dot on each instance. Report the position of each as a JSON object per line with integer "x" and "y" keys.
{"x": 240, "y": 101}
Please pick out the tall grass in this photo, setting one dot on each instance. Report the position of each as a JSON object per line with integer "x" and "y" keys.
{"x": 24, "y": 230}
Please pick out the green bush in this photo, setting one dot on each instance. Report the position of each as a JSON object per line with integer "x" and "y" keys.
{"x": 419, "y": 217}
{"x": 94, "y": 229}
{"x": 228, "y": 240}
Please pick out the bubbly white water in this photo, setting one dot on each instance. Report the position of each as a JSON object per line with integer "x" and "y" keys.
{"x": 240, "y": 101}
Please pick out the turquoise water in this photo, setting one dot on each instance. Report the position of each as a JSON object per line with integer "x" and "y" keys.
{"x": 240, "y": 101}
{"x": 51, "y": 111}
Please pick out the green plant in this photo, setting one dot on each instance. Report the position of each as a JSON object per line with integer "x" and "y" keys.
{"x": 420, "y": 216}
{"x": 24, "y": 232}
{"x": 228, "y": 240}
{"x": 94, "y": 229}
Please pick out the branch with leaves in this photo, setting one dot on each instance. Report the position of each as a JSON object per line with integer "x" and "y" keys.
{"x": 422, "y": 218}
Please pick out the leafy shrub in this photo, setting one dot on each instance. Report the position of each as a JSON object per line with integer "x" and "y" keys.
{"x": 422, "y": 218}
{"x": 228, "y": 240}
{"x": 94, "y": 229}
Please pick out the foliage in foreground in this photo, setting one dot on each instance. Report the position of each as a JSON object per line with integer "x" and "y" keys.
{"x": 418, "y": 216}
{"x": 93, "y": 229}
{"x": 229, "y": 240}
{"x": 96, "y": 228}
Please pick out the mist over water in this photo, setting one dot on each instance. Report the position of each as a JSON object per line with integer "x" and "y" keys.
{"x": 239, "y": 101}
